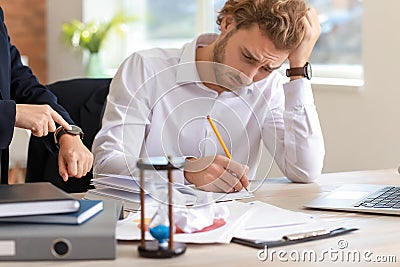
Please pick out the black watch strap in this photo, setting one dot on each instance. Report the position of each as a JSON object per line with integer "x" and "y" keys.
{"x": 75, "y": 130}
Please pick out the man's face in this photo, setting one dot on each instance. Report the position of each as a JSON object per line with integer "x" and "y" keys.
{"x": 247, "y": 56}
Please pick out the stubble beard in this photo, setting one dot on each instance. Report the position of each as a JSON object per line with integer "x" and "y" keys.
{"x": 221, "y": 69}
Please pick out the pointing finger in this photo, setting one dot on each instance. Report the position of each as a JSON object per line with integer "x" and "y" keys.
{"x": 57, "y": 118}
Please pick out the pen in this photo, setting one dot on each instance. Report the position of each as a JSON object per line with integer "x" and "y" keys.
{"x": 221, "y": 141}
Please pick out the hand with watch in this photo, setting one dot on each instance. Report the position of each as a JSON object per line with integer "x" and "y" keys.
{"x": 298, "y": 57}
{"x": 74, "y": 159}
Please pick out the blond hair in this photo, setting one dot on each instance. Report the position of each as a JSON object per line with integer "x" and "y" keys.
{"x": 280, "y": 20}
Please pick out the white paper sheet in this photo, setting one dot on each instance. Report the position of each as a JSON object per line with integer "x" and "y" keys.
{"x": 129, "y": 228}
{"x": 263, "y": 215}
{"x": 247, "y": 220}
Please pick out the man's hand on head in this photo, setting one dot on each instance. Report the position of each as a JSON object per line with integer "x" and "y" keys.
{"x": 301, "y": 54}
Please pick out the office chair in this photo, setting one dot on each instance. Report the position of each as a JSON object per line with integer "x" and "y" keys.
{"x": 84, "y": 100}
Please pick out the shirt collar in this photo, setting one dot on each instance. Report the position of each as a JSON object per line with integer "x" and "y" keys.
{"x": 187, "y": 71}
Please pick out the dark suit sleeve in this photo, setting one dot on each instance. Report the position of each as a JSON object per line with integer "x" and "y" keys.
{"x": 26, "y": 89}
{"x": 7, "y": 106}
{"x": 7, "y": 122}
{"x": 20, "y": 86}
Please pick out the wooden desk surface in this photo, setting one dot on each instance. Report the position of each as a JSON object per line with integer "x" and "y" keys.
{"x": 377, "y": 239}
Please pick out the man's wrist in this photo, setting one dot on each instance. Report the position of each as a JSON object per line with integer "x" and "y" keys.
{"x": 299, "y": 64}
{"x": 292, "y": 78}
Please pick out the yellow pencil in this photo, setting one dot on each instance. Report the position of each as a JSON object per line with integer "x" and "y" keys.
{"x": 219, "y": 137}
{"x": 221, "y": 141}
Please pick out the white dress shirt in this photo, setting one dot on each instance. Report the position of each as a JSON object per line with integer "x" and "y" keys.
{"x": 157, "y": 106}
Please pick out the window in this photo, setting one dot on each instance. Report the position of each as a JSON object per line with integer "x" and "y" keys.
{"x": 338, "y": 52}
{"x": 337, "y": 56}
{"x": 340, "y": 40}
{"x": 170, "y": 23}
{"x": 162, "y": 23}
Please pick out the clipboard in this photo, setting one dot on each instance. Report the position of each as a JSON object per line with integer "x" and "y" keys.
{"x": 293, "y": 238}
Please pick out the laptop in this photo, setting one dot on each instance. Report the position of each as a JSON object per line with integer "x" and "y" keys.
{"x": 371, "y": 198}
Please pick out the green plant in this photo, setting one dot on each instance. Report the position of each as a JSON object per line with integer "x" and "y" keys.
{"x": 91, "y": 35}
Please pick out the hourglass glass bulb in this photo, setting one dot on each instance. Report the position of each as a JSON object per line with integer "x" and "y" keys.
{"x": 159, "y": 228}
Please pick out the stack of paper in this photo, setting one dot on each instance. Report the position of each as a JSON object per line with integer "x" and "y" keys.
{"x": 127, "y": 189}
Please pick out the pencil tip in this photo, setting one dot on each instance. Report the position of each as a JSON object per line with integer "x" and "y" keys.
{"x": 208, "y": 116}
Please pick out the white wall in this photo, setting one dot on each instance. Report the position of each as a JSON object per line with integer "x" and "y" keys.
{"x": 361, "y": 129}
{"x": 62, "y": 61}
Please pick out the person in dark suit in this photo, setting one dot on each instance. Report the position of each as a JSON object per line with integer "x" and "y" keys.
{"x": 25, "y": 103}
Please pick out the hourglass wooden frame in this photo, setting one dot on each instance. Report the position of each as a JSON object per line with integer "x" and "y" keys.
{"x": 151, "y": 249}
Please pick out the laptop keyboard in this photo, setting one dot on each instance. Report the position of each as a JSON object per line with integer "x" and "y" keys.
{"x": 388, "y": 197}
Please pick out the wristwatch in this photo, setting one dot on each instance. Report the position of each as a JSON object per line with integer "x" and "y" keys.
{"x": 305, "y": 71}
{"x": 75, "y": 130}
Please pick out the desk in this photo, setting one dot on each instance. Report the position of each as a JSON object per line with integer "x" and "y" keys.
{"x": 378, "y": 234}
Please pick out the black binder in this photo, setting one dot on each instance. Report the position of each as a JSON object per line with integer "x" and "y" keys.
{"x": 94, "y": 239}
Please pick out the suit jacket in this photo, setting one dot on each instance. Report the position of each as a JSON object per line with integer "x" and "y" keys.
{"x": 18, "y": 86}
{"x": 84, "y": 100}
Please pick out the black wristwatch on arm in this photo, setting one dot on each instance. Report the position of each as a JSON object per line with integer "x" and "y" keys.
{"x": 305, "y": 71}
{"x": 75, "y": 130}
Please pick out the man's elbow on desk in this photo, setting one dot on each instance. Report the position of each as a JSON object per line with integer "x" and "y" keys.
{"x": 305, "y": 169}
{"x": 303, "y": 176}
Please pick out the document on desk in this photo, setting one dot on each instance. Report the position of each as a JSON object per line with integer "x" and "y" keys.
{"x": 129, "y": 229}
{"x": 246, "y": 220}
{"x": 119, "y": 182}
{"x": 108, "y": 194}
{"x": 127, "y": 188}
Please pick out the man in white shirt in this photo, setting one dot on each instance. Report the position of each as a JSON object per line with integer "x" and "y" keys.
{"x": 159, "y": 100}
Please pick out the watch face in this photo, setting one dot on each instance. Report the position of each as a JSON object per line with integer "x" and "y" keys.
{"x": 75, "y": 130}
{"x": 308, "y": 71}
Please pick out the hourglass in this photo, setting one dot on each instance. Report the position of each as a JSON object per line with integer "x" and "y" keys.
{"x": 161, "y": 227}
